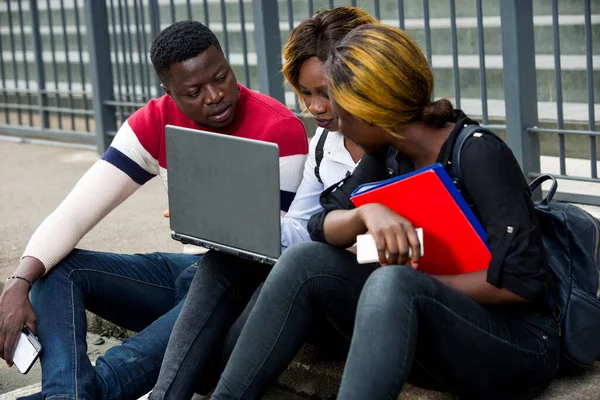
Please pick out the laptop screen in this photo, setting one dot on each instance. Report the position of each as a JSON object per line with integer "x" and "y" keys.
{"x": 224, "y": 189}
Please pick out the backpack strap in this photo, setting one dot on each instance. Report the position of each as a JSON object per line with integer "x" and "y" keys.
{"x": 465, "y": 133}
{"x": 319, "y": 152}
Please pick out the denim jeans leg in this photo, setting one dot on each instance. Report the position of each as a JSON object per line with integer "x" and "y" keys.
{"x": 309, "y": 280}
{"x": 222, "y": 286}
{"x": 129, "y": 290}
{"x": 406, "y": 316}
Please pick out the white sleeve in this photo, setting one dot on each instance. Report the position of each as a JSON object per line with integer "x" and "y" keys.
{"x": 306, "y": 203}
{"x": 102, "y": 188}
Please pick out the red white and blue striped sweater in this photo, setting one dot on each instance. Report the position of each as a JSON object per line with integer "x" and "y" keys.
{"x": 137, "y": 154}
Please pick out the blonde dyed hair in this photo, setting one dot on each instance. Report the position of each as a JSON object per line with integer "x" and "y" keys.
{"x": 379, "y": 74}
{"x": 316, "y": 36}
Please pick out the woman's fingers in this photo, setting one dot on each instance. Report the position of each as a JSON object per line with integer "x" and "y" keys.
{"x": 381, "y": 245}
{"x": 415, "y": 245}
{"x": 401, "y": 243}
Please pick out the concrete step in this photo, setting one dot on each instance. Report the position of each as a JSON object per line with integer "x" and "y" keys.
{"x": 465, "y": 61}
{"x": 572, "y": 34}
{"x": 315, "y": 375}
{"x": 412, "y": 8}
{"x": 574, "y": 75}
{"x": 574, "y": 112}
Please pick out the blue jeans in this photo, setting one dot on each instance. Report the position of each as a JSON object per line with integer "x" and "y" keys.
{"x": 406, "y": 326}
{"x": 140, "y": 292}
{"x": 219, "y": 300}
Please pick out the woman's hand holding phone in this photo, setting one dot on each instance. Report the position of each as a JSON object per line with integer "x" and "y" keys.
{"x": 393, "y": 235}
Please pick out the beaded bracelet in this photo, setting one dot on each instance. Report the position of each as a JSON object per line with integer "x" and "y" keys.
{"x": 21, "y": 277}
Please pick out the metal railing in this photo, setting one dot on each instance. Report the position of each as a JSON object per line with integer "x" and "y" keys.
{"x": 74, "y": 70}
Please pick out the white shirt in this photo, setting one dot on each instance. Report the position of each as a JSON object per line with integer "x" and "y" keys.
{"x": 335, "y": 165}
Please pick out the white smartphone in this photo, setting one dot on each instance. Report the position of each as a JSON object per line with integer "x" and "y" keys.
{"x": 27, "y": 351}
{"x": 366, "y": 250}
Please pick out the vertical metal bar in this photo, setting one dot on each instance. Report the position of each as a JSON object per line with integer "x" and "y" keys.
{"x": 137, "y": 10}
{"x": 81, "y": 66}
{"x": 291, "y": 27}
{"x": 54, "y": 66}
{"x": 154, "y": 30}
{"x": 331, "y": 4}
{"x": 311, "y": 8}
{"x": 244, "y": 43}
{"x": 39, "y": 64}
{"x": 188, "y": 5}
{"x": 63, "y": 21}
{"x": 590, "y": 80}
{"x": 401, "y": 14}
{"x": 144, "y": 57}
{"x": 98, "y": 42}
{"x": 482, "y": 71}
{"x": 131, "y": 50}
{"x": 377, "y": 10}
{"x": 224, "y": 22}
{"x": 206, "y": 16}
{"x": 3, "y": 80}
{"x": 124, "y": 51}
{"x": 290, "y": 8}
{"x": 268, "y": 46}
{"x": 353, "y": 3}
{"x": 26, "y": 66}
{"x": 455, "y": 69}
{"x": 118, "y": 110}
{"x": 14, "y": 61}
{"x": 172, "y": 9}
{"x": 559, "y": 94}
{"x": 427, "y": 31}
{"x": 518, "y": 53}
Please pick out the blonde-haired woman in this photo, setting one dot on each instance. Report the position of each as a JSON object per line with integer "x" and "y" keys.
{"x": 483, "y": 335}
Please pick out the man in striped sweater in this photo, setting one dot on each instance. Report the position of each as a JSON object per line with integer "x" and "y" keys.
{"x": 141, "y": 292}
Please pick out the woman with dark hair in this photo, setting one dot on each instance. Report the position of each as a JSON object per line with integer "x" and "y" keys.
{"x": 483, "y": 335}
{"x": 225, "y": 287}
{"x": 331, "y": 157}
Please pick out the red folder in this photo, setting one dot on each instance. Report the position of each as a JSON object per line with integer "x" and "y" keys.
{"x": 454, "y": 240}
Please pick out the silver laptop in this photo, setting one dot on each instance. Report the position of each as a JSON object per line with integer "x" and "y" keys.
{"x": 224, "y": 193}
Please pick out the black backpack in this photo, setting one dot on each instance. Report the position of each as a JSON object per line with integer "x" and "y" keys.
{"x": 572, "y": 239}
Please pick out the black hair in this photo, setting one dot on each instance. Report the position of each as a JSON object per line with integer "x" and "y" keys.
{"x": 178, "y": 43}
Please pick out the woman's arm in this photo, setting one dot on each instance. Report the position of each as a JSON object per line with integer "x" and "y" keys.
{"x": 343, "y": 226}
{"x": 475, "y": 285}
{"x": 306, "y": 202}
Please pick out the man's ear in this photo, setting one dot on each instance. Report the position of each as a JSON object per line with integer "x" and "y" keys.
{"x": 166, "y": 89}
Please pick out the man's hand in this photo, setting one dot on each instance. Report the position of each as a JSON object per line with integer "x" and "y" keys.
{"x": 166, "y": 214}
{"x": 15, "y": 308}
{"x": 15, "y": 312}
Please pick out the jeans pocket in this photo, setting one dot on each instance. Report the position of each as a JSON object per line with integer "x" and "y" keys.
{"x": 543, "y": 328}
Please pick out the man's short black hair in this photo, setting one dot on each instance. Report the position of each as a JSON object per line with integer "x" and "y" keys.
{"x": 178, "y": 43}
